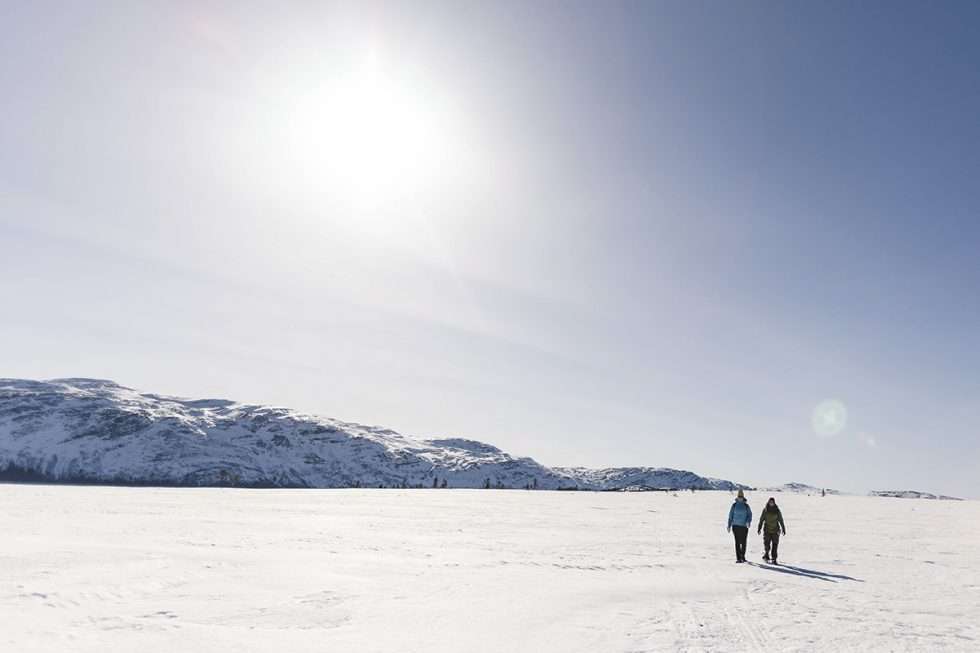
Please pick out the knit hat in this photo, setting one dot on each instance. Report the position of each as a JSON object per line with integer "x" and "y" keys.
{"x": 740, "y": 494}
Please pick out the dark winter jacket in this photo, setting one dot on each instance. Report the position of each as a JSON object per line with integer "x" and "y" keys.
{"x": 772, "y": 519}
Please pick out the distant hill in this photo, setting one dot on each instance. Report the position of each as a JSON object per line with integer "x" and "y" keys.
{"x": 797, "y": 488}
{"x": 645, "y": 478}
{"x": 912, "y": 494}
{"x": 95, "y": 431}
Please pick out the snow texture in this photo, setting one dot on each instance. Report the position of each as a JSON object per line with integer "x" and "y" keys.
{"x": 158, "y": 570}
{"x": 96, "y": 431}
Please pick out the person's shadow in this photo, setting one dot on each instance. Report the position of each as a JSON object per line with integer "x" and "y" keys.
{"x": 807, "y": 573}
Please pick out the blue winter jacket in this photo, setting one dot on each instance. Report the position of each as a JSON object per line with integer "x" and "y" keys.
{"x": 740, "y": 514}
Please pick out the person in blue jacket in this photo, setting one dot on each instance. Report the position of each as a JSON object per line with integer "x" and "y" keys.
{"x": 739, "y": 521}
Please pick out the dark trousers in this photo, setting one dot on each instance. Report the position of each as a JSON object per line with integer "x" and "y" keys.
{"x": 741, "y": 535}
{"x": 771, "y": 540}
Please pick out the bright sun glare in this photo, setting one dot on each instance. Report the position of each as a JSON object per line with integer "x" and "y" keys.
{"x": 372, "y": 135}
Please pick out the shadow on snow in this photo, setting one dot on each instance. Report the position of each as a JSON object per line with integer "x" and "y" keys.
{"x": 806, "y": 573}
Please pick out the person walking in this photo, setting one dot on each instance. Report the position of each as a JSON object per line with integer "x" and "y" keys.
{"x": 739, "y": 522}
{"x": 772, "y": 521}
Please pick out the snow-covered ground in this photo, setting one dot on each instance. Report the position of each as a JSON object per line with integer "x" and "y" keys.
{"x": 98, "y": 569}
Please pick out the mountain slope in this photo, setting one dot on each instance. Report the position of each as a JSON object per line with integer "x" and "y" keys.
{"x": 644, "y": 478}
{"x": 96, "y": 431}
{"x": 911, "y": 494}
{"x": 798, "y": 488}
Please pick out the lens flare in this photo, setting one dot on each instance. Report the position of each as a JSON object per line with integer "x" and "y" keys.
{"x": 829, "y": 418}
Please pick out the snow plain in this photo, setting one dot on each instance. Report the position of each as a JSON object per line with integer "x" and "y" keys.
{"x": 98, "y": 569}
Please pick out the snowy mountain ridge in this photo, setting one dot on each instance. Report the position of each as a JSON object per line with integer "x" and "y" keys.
{"x": 97, "y": 431}
{"x": 912, "y": 494}
{"x": 644, "y": 478}
{"x": 798, "y": 488}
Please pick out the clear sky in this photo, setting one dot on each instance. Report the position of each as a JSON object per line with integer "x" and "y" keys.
{"x": 644, "y": 233}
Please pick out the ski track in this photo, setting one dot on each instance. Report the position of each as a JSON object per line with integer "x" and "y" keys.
{"x": 94, "y": 569}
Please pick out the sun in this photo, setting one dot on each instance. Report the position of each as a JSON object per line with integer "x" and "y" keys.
{"x": 373, "y": 135}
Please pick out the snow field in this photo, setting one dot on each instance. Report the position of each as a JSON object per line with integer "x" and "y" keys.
{"x": 159, "y": 570}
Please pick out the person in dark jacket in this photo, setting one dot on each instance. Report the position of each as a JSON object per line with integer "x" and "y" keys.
{"x": 739, "y": 522}
{"x": 772, "y": 521}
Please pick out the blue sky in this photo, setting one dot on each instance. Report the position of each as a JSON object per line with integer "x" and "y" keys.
{"x": 592, "y": 233}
